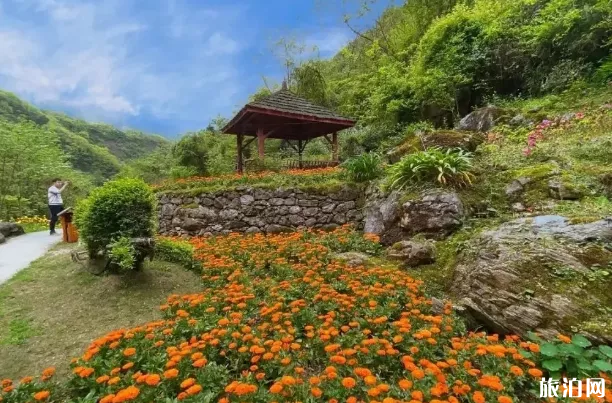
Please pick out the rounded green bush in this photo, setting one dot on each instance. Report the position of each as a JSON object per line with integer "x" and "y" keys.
{"x": 123, "y": 208}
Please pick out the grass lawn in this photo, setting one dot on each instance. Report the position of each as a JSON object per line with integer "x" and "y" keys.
{"x": 52, "y": 310}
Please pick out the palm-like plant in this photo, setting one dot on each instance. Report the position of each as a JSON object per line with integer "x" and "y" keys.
{"x": 365, "y": 167}
{"x": 450, "y": 167}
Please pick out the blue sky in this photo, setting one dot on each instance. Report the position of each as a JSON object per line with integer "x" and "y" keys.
{"x": 162, "y": 66}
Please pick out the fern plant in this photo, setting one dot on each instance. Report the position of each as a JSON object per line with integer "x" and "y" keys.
{"x": 365, "y": 167}
{"x": 450, "y": 167}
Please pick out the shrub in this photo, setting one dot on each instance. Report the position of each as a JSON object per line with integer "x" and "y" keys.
{"x": 122, "y": 208}
{"x": 363, "y": 168}
{"x": 179, "y": 252}
{"x": 123, "y": 254}
{"x": 450, "y": 167}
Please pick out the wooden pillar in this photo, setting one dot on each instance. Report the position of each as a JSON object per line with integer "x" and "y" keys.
{"x": 335, "y": 146}
{"x": 300, "y": 150}
{"x": 239, "y": 157}
{"x": 261, "y": 138}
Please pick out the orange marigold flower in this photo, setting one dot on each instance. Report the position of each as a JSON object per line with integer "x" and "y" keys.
{"x": 102, "y": 379}
{"x": 316, "y": 392}
{"x": 405, "y": 384}
{"x": 194, "y": 390}
{"x": 171, "y": 373}
{"x": 478, "y": 397}
{"x": 564, "y": 339}
{"x": 516, "y": 370}
{"x": 418, "y": 374}
{"x": 152, "y": 379}
{"x": 130, "y": 351}
{"x": 348, "y": 382}
{"x": 42, "y": 395}
{"x": 187, "y": 383}
{"x": 200, "y": 363}
{"x": 504, "y": 399}
{"x": 107, "y": 398}
{"x": 536, "y": 373}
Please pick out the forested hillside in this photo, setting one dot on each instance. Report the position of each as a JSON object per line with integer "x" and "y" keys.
{"x": 436, "y": 60}
{"x": 94, "y": 148}
{"x": 38, "y": 145}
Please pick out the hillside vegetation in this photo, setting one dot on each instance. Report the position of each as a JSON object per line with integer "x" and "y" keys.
{"x": 39, "y": 145}
{"x": 427, "y": 63}
{"x": 95, "y": 148}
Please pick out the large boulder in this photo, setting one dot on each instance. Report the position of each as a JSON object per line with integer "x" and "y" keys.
{"x": 539, "y": 274}
{"x": 412, "y": 253}
{"x": 382, "y": 213}
{"x": 435, "y": 214}
{"x": 481, "y": 120}
{"x": 9, "y": 229}
{"x": 353, "y": 259}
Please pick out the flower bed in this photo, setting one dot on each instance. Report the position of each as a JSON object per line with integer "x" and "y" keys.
{"x": 288, "y": 178}
{"x": 281, "y": 320}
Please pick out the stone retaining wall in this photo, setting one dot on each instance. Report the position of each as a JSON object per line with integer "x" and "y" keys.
{"x": 258, "y": 210}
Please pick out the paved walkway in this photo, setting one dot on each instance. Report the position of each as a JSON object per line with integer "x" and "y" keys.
{"x": 18, "y": 252}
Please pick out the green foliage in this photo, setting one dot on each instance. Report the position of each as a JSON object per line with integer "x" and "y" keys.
{"x": 450, "y": 167}
{"x": 576, "y": 359}
{"x": 315, "y": 180}
{"x": 603, "y": 75}
{"x": 437, "y": 60}
{"x": 192, "y": 151}
{"x": 153, "y": 168}
{"x": 120, "y": 208}
{"x": 122, "y": 254}
{"x": 206, "y": 152}
{"x": 364, "y": 168}
{"x": 175, "y": 251}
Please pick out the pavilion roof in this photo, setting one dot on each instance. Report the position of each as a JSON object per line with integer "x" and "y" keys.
{"x": 285, "y": 115}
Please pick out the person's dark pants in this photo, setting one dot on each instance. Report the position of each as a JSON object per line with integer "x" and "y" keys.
{"x": 54, "y": 209}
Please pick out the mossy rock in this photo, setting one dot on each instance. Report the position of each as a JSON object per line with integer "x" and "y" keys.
{"x": 446, "y": 139}
{"x": 542, "y": 274}
{"x": 534, "y": 181}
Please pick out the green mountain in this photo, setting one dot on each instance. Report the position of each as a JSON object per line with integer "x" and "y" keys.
{"x": 94, "y": 148}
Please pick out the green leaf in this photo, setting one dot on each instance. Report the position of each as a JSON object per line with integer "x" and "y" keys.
{"x": 581, "y": 341}
{"x": 532, "y": 336}
{"x": 603, "y": 366}
{"x": 585, "y": 365}
{"x": 606, "y": 350}
{"x": 572, "y": 349}
{"x": 552, "y": 365}
{"x": 549, "y": 350}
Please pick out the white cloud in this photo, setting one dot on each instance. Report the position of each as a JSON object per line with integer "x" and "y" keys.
{"x": 328, "y": 42}
{"x": 109, "y": 61}
{"x": 219, "y": 43}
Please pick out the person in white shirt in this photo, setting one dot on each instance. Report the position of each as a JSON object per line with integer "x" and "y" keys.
{"x": 56, "y": 204}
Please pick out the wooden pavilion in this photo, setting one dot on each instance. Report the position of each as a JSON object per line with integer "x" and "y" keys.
{"x": 284, "y": 115}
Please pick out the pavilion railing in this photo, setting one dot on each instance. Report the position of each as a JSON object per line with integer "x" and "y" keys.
{"x": 251, "y": 165}
{"x": 305, "y": 164}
